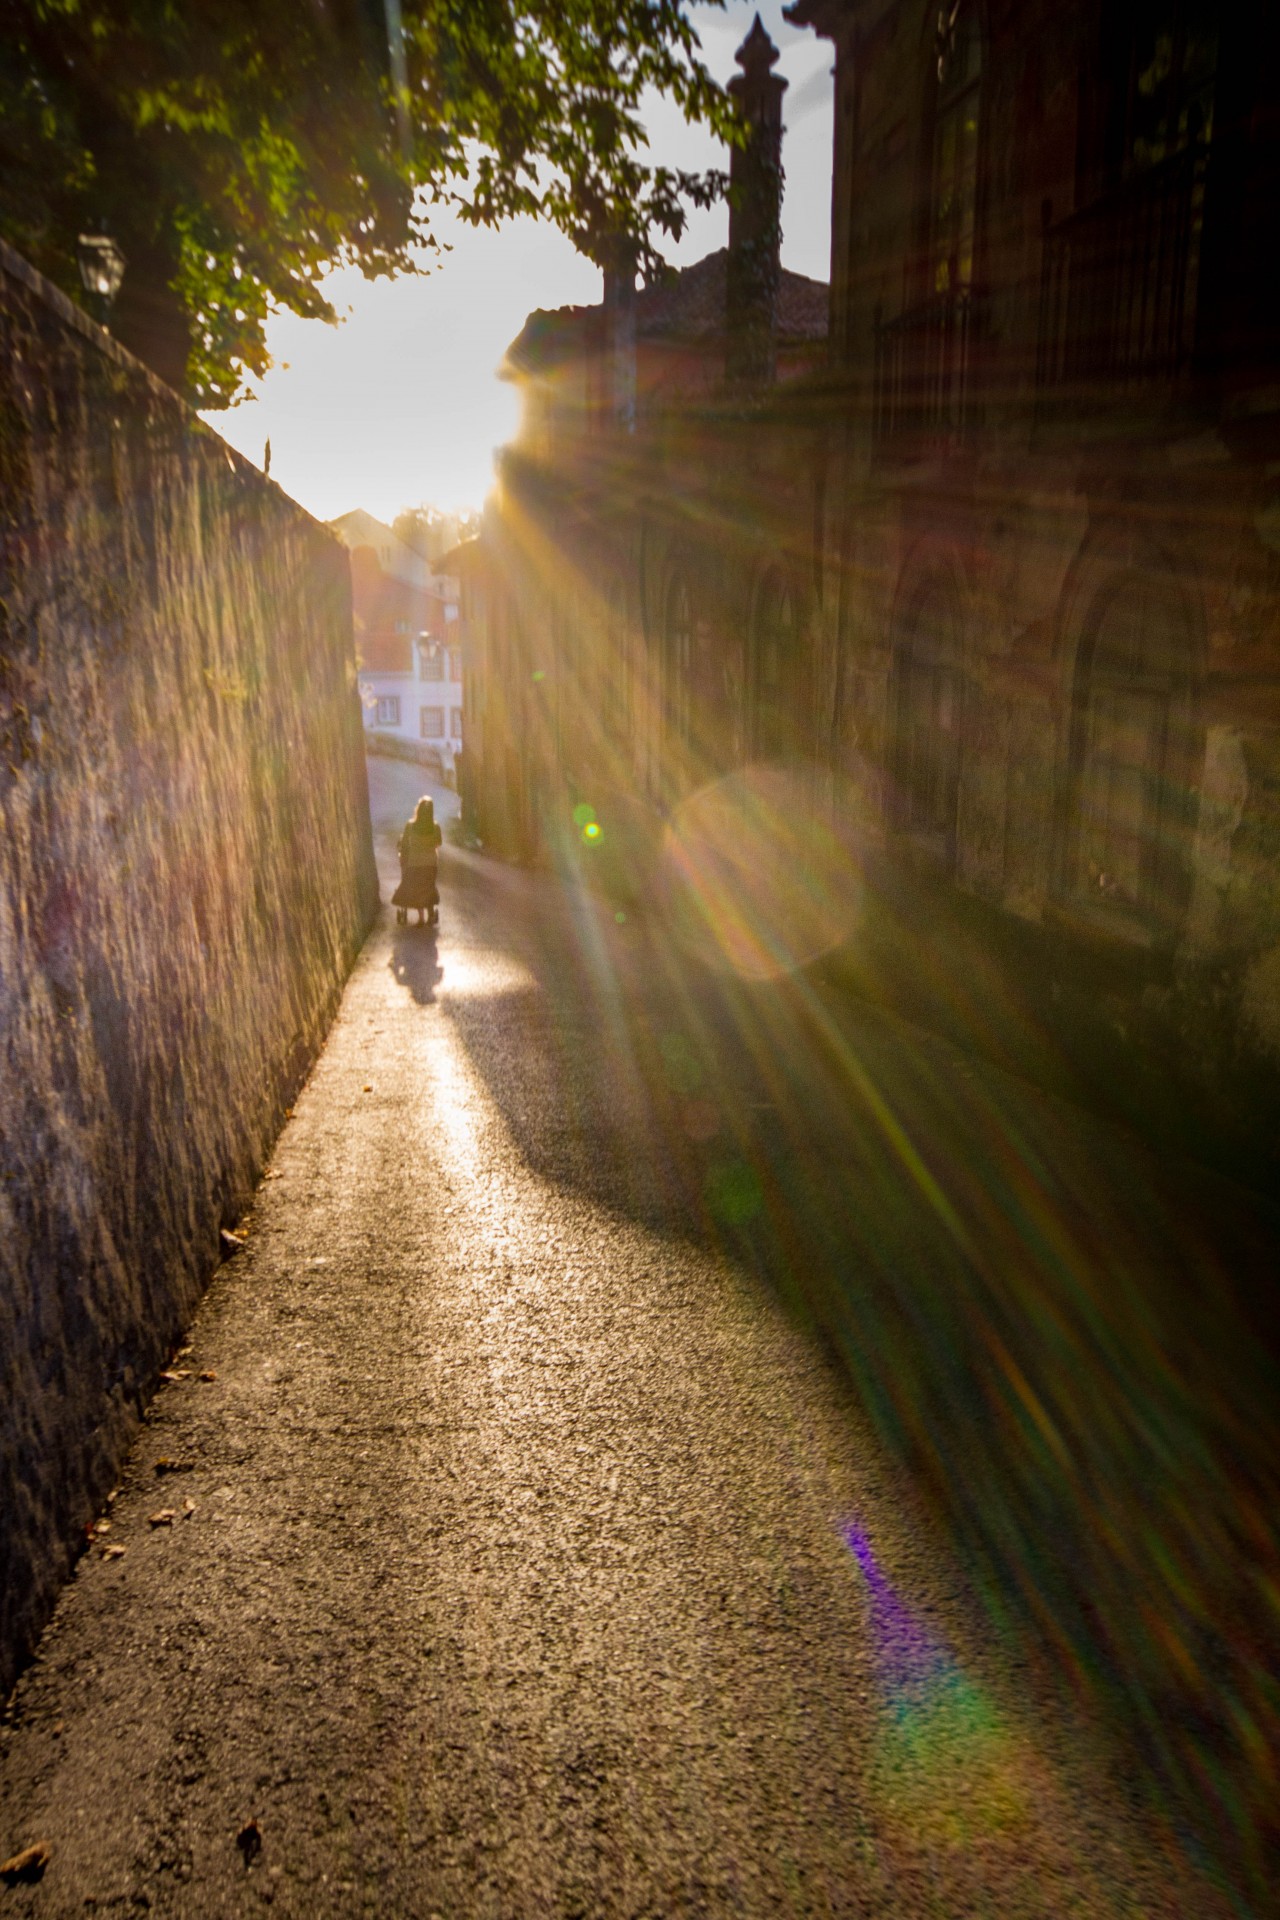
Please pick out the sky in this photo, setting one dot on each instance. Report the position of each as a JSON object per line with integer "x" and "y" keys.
{"x": 400, "y": 404}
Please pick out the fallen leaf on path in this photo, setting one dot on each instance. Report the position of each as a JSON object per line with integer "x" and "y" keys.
{"x": 114, "y": 1552}
{"x": 188, "y": 1508}
{"x": 165, "y": 1517}
{"x": 208, "y": 1374}
{"x": 27, "y": 1865}
{"x": 102, "y": 1526}
{"x": 175, "y": 1373}
{"x": 249, "y": 1841}
{"x": 232, "y": 1243}
{"x": 368, "y": 1089}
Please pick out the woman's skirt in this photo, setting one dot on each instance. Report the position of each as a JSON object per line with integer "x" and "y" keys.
{"x": 417, "y": 888}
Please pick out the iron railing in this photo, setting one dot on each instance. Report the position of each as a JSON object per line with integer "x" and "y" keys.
{"x": 1118, "y": 284}
{"x": 923, "y": 396}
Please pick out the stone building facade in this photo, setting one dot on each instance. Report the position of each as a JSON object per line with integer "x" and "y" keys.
{"x": 993, "y": 570}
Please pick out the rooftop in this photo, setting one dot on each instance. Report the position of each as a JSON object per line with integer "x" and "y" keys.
{"x": 688, "y": 305}
{"x": 691, "y": 304}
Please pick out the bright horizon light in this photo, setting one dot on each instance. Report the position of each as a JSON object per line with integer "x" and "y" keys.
{"x": 399, "y": 405}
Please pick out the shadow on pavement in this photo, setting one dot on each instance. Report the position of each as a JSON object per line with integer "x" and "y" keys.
{"x": 415, "y": 962}
{"x": 1065, "y": 1337}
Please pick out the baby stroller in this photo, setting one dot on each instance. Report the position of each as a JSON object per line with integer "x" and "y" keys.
{"x": 418, "y": 891}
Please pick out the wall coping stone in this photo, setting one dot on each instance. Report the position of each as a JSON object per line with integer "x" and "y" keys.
{"x": 104, "y": 342}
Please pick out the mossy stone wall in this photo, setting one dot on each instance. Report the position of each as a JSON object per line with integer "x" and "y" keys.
{"x": 186, "y": 874}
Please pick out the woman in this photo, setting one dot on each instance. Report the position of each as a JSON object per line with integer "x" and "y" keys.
{"x": 418, "y": 843}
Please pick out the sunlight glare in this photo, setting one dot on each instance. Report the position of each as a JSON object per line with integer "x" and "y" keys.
{"x": 756, "y": 883}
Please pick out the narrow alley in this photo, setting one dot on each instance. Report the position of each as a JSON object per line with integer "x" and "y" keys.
{"x": 529, "y": 1529}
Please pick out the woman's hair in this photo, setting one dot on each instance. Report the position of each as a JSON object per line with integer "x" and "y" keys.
{"x": 425, "y": 815}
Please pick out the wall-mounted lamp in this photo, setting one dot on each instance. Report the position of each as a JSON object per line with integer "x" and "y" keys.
{"x": 102, "y": 264}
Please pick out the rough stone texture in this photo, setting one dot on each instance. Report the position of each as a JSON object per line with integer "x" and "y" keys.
{"x": 185, "y": 877}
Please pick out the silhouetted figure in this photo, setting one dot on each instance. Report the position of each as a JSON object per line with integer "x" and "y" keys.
{"x": 419, "y": 840}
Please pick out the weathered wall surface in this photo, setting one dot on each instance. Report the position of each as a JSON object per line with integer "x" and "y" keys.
{"x": 186, "y": 873}
{"x": 1163, "y": 1012}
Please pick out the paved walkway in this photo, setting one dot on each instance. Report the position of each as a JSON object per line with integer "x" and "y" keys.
{"x": 529, "y": 1555}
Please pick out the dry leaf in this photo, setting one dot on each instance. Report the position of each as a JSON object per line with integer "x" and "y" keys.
{"x": 164, "y": 1518}
{"x": 27, "y": 1865}
{"x": 103, "y": 1526}
{"x": 113, "y": 1552}
{"x": 188, "y": 1508}
{"x": 208, "y": 1374}
{"x": 175, "y": 1373}
{"x": 368, "y": 1089}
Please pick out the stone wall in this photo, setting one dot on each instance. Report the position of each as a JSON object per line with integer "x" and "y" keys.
{"x": 186, "y": 874}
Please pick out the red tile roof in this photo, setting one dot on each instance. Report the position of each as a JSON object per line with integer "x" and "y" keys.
{"x": 384, "y": 652}
{"x": 389, "y": 615}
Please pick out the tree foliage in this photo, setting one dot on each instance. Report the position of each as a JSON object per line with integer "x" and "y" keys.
{"x": 431, "y": 531}
{"x": 240, "y": 149}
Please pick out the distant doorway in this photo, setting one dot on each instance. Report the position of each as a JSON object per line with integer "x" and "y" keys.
{"x": 1131, "y": 749}
{"x": 926, "y": 702}
{"x": 677, "y": 665}
{"x": 775, "y": 684}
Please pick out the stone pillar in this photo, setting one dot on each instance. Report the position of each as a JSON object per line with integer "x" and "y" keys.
{"x": 755, "y": 215}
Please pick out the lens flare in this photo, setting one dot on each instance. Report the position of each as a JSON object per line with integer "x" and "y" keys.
{"x": 733, "y": 1193}
{"x": 947, "y": 1770}
{"x": 755, "y": 883}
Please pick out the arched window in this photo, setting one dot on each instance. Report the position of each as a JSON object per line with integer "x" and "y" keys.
{"x": 776, "y": 695}
{"x": 924, "y": 360}
{"x": 677, "y": 662}
{"x": 617, "y": 688}
{"x": 953, "y": 218}
{"x": 1162, "y": 94}
{"x": 1131, "y": 747}
{"x": 927, "y": 716}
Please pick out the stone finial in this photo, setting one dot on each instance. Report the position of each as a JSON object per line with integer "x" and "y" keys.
{"x": 755, "y": 214}
{"x": 757, "y": 53}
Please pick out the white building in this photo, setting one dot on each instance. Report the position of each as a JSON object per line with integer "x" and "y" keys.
{"x": 409, "y": 660}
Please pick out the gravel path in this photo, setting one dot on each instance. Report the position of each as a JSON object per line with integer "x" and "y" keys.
{"x": 526, "y": 1556}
